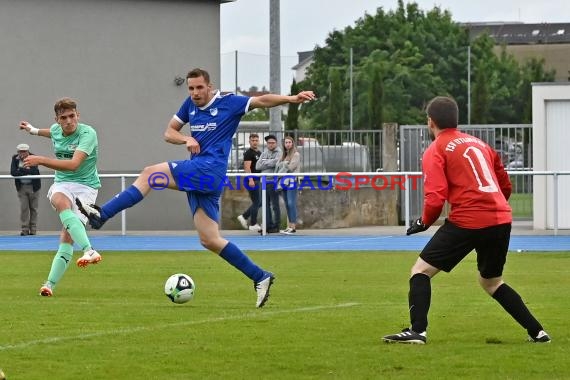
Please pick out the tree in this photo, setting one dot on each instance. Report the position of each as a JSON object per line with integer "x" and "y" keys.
{"x": 420, "y": 54}
{"x": 407, "y": 46}
{"x": 292, "y": 120}
{"x": 258, "y": 114}
{"x": 375, "y": 100}
{"x": 484, "y": 78}
{"x": 531, "y": 71}
{"x": 480, "y": 98}
{"x": 335, "y": 100}
{"x": 373, "y": 77}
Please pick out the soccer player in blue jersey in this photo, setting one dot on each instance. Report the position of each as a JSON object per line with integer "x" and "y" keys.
{"x": 213, "y": 120}
{"x": 76, "y": 148}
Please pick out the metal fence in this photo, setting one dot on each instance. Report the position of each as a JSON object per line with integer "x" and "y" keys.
{"x": 321, "y": 150}
{"x": 409, "y": 193}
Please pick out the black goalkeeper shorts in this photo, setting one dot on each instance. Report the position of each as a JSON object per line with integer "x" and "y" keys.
{"x": 450, "y": 244}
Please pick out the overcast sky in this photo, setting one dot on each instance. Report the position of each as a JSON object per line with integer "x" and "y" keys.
{"x": 306, "y": 23}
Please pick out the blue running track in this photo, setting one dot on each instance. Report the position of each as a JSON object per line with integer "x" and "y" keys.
{"x": 272, "y": 243}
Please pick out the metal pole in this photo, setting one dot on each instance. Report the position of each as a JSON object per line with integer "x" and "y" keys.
{"x": 264, "y": 211}
{"x": 236, "y": 73}
{"x": 469, "y": 85}
{"x": 124, "y": 212}
{"x": 351, "y": 95}
{"x": 274, "y": 66}
{"x": 407, "y": 202}
{"x": 555, "y": 197}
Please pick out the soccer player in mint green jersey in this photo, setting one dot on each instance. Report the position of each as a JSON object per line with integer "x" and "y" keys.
{"x": 75, "y": 165}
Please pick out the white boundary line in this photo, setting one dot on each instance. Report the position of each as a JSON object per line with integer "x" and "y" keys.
{"x": 57, "y": 339}
{"x": 328, "y": 242}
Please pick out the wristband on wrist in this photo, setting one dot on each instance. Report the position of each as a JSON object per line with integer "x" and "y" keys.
{"x": 33, "y": 130}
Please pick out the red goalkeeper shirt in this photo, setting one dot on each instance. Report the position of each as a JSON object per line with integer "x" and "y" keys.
{"x": 469, "y": 174}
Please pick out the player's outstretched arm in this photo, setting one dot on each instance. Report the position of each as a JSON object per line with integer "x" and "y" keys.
{"x": 272, "y": 100}
{"x": 56, "y": 164}
{"x": 24, "y": 125}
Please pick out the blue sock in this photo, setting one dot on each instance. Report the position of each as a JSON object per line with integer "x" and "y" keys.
{"x": 128, "y": 198}
{"x": 233, "y": 255}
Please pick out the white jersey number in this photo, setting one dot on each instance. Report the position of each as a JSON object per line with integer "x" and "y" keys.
{"x": 480, "y": 170}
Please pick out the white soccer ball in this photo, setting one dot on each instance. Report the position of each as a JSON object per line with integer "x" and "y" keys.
{"x": 179, "y": 288}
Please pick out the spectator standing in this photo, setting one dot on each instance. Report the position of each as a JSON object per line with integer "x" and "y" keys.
{"x": 250, "y": 158}
{"x": 266, "y": 164}
{"x": 290, "y": 162}
{"x": 28, "y": 190}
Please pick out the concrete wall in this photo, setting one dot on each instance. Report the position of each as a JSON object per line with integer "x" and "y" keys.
{"x": 118, "y": 59}
{"x": 556, "y": 56}
{"x": 326, "y": 208}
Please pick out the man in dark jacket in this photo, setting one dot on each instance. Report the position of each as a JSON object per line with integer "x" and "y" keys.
{"x": 28, "y": 190}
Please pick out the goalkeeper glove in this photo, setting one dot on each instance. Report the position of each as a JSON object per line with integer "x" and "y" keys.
{"x": 416, "y": 226}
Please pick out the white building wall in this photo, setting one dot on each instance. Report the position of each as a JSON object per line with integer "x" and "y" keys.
{"x": 301, "y": 70}
{"x": 551, "y": 135}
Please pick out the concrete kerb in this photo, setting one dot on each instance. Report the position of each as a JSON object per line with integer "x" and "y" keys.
{"x": 522, "y": 228}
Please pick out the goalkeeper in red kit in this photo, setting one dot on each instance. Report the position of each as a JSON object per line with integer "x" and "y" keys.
{"x": 469, "y": 175}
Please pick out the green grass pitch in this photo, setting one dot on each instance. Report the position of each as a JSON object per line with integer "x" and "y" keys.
{"x": 324, "y": 320}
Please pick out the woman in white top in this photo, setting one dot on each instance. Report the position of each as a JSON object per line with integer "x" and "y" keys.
{"x": 290, "y": 162}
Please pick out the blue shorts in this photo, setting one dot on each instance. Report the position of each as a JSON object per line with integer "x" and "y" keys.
{"x": 202, "y": 186}
{"x": 209, "y": 203}
{"x": 197, "y": 176}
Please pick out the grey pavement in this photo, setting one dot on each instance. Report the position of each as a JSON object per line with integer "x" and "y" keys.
{"x": 522, "y": 228}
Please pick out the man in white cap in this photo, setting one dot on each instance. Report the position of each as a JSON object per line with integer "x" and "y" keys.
{"x": 28, "y": 190}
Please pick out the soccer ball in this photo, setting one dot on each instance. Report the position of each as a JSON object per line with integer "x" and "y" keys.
{"x": 179, "y": 288}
